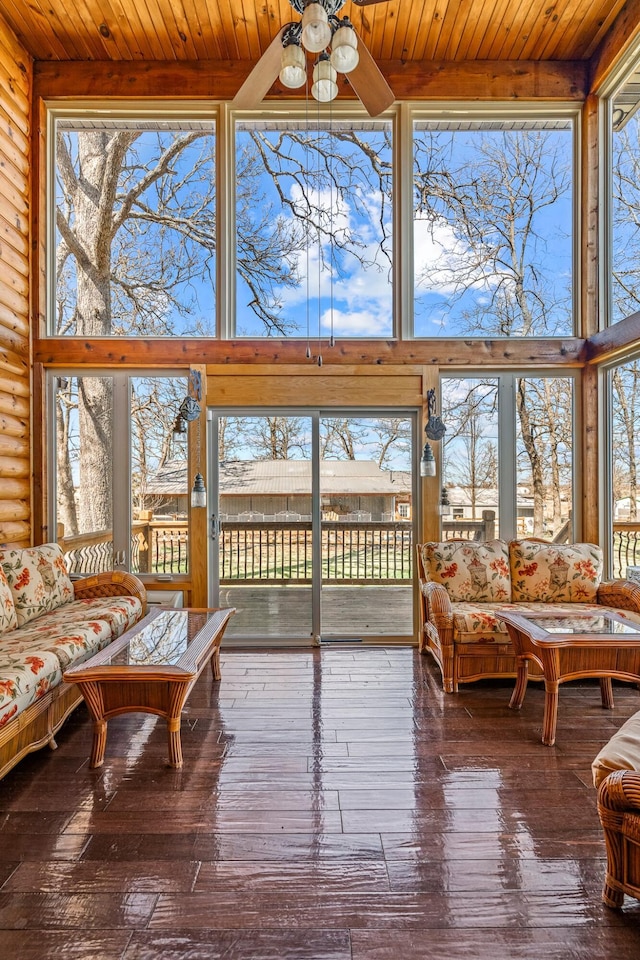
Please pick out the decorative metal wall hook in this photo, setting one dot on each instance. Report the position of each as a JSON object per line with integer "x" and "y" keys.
{"x": 435, "y": 428}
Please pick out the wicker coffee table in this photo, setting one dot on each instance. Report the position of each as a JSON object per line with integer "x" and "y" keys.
{"x": 572, "y": 646}
{"x": 152, "y": 669}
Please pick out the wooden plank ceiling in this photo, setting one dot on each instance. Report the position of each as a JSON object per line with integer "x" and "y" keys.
{"x": 408, "y": 30}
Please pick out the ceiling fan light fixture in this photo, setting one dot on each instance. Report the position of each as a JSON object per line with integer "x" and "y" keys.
{"x": 293, "y": 67}
{"x": 316, "y": 30}
{"x": 344, "y": 48}
{"x": 325, "y": 87}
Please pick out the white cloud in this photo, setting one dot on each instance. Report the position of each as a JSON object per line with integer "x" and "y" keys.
{"x": 440, "y": 256}
{"x": 356, "y": 323}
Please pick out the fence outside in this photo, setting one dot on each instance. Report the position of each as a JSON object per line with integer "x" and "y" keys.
{"x": 276, "y": 551}
{"x": 626, "y": 547}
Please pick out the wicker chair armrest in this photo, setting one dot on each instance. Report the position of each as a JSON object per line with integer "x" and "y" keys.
{"x": 114, "y": 583}
{"x": 624, "y": 594}
{"x": 438, "y": 604}
{"x": 620, "y": 791}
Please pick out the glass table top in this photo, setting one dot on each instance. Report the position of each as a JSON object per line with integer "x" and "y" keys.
{"x": 601, "y": 624}
{"x": 164, "y": 640}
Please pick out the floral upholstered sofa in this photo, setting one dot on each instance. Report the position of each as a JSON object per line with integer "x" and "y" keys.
{"x": 47, "y": 623}
{"x": 464, "y": 585}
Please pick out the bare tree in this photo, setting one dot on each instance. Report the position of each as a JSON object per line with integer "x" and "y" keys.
{"x": 469, "y": 410}
{"x": 278, "y": 438}
{"x": 626, "y": 387}
{"x": 136, "y": 231}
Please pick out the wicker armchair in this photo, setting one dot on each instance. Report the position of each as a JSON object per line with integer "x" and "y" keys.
{"x": 619, "y": 811}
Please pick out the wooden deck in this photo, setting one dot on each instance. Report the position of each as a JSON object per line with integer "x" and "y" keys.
{"x": 347, "y": 611}
{"x": 334, "y": 805}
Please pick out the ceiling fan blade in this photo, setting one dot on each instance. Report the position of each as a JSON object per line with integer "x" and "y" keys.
{"x": 371, "y": 87}
{"x": 367, "y": 3}
{"x": 259, "y": 82}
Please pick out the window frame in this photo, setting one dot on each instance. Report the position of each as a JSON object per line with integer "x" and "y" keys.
{"x": 164, "y": 110}
{"x": 507, "y": 440}
{"x": 491, "y": 112}
{"x": 121, "y": 457}
{"x": 224, "y": 117}
{"x": 297, "y": 110}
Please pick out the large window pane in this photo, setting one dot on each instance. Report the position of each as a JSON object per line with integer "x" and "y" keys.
{"x": 134, "y": 228}
{"x": 313, "y": 222}
{"x": 159, "y": 480}
{"x": 84, "y": 463}
{"x": 544, "y": 457}
{"x": 470, "y": 458}
{"x": 624, "y": 387}
{"x": 625, "y": 206}
{"x": 492, "y": 208}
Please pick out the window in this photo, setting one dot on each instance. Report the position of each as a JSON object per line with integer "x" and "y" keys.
{"x": 492, "y": 227}
{"x": 544, "y": 457}
{"x": 625, "y": 202}
{"x": 314, "y": 228}
{"x": 624, "y": 455}
{"x": 120, "y": 483}
{"x": 470, "y": 457}
{"x": 508, "y": 456}
{"x": 135, "y": 220}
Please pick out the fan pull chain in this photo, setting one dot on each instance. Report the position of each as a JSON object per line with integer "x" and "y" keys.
{"x": 319, "y": 215}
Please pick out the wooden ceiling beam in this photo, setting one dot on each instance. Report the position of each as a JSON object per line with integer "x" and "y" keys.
{"x": 619, "y": 41}
{"x": 177, "y": 352}
{"x": 614, "y": 341}
{"x": 220, "y": 80}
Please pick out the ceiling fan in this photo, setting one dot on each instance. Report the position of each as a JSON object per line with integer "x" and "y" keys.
{"x": 339, "y": 50}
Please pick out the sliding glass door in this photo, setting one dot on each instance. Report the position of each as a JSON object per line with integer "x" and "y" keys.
{"x": 312, "y": 524}
{"x": 261, "y": 525}
{"x": 366, "y": 502}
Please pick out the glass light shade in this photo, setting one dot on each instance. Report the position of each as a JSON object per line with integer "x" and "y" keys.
{"x": 198, "y": 493}
{"x": 179, "y": 427}
{"x": 427, "y": 462}
{"x": 344, "y": 50}
{"x": 316, "y": 32}
{"x": 445, "y": 506}
{"x": 293, "y": 71}
{"x": 324, "y": 86}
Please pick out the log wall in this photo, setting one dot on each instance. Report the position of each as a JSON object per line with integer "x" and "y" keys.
{"x": 15, "y": 442}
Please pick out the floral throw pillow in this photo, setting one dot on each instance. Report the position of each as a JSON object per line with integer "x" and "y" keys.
{"x": 553, "y": 572}
{"x": 469, "y": 570}
{"x": 8, "y": 620}
{"x": 38, "y": 580}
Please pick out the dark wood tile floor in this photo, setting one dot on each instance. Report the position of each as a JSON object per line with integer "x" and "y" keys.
{"x": 334, "y": 804}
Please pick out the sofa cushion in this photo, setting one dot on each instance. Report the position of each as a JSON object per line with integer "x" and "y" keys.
{"x": 79, "y": 629}
{"x": 470, "y": 571}
{"x": 26, "y": 674}
{"x": 38, "y": 579}
{"x": 481, "y": 623}
{"x": 554, "y": 573}
{"x": 8, "y": 619}
{"x": 622, "y": 752}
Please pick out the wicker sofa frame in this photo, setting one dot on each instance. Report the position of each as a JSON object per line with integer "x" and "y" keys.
{"x": 36, "y": 726}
